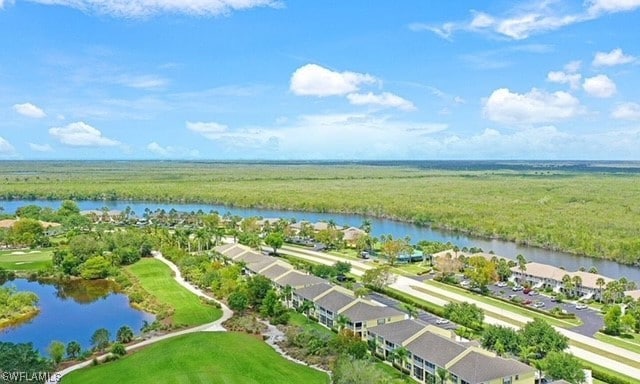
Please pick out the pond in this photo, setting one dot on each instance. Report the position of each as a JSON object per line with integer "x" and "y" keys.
{"x": 73, "y": 311}
{"x": 380, "y": 226}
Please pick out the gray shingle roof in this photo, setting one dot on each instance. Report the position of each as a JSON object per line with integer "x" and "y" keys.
{"x": 234, "y": 252}
{"x": 364, "y": 312}
{"x": 476, "y": 367}
{"x": 333, "y": 301}
{"x": 435, "y": 348}
{"x": 250, "y": 257}
{"x": 224, "y": 248}
{"x": 398, "y": 331}
{"x": 275, "y": 270}
{"x": 261, "y": 264}
{"x": 313, "y": 291}
{"x": 297, "y": 279}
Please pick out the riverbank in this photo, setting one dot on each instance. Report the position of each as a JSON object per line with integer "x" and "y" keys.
{"x": 570, "y": 211}
{"x": 18, "y": 319}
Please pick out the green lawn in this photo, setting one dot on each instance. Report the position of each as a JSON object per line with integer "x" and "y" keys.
{"x": 302, "y": 321}
{"x": 203, "y": 357}
{"x": 156, "y": 278}
{"x": 632, "y": 343}
{"x": 25, "y": 260}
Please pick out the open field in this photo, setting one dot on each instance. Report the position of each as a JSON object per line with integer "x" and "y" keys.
{"x": 156, "y": 278}
{"x": 593, "y": 213}
{"x": 203, "y": 357}
{"x": 25, "y": 260}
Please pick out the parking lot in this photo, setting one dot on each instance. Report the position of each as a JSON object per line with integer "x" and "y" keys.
{"x": 423, "y": 316}
{"x": 591, "y": 319}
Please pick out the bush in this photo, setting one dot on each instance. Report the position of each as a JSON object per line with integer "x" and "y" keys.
{"x": 596, "y": 373}
{"x": 118, "y": 349}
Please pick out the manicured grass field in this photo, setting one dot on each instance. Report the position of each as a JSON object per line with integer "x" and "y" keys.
{"x": 203, "y": 357}
{"x": 631, "y": 343}
{"x": 25, "y": 260}
{"x": 156, "y": 278}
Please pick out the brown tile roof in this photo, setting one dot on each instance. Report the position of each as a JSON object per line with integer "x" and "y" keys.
{"x": 476, "y": 368}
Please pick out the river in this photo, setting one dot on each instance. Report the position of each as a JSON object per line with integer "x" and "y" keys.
{"x": 509, "y": 249}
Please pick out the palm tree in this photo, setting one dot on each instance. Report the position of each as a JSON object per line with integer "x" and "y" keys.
{"x": 366, "y": 226}
{"x": 568, "y": 285}
{"x": 401, "y": 357}
{"x": 600, "y": 283}
{"x": 305, "y": 307}
{"x": 124, "y": 335}
{"x": 442, "y": 374}
{"x": 412, "y": 311}
{"x": 342, "y": 322}
{"x": 577, "y": 282}
{"x": 522, "y": 262}
{"x": 287, "y": 293}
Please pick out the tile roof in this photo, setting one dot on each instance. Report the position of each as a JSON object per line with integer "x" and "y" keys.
{"x": 476, "y": 368}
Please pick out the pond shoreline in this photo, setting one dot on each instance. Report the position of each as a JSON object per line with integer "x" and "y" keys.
{"x": 17, "y": 321}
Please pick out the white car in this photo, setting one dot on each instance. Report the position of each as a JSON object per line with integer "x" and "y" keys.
{"x": 502, "y": 284}
{"x": 442, "y": 321}
{"x": 517, "y": 288}
{"x": 581, "y": 306}
{"x": 538, "y": 304}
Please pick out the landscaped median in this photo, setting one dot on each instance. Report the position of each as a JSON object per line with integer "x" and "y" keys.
{"x": 202, "y": 357}
{"x": 187, "y": 309}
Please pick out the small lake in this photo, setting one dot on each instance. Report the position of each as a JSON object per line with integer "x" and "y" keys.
{"x": 73, "y": 311}
{"x": 379, "y": 227}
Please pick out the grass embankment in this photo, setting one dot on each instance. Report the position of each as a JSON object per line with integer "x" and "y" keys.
{"x": 562, "y": 209}
{"x": 204, "y": 357}
{"x": 25, "y": 260}
{"x": 157, "y": 279}
{"x": 630, "y": 342}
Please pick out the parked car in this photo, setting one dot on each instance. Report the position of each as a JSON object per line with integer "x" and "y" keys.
{"x": 581, "y": 306}
{"x": 527, "y": 302}
{"x": 538, "y": 304}
{"x": 502, "y": 284}
{"x": 526, "y": 290}
{"x": 442, "y": 321}
{"x": 517, "y": 288}
{"x": 465, "y": 283}
{"x": 532, "y": 293}
{"x": 511, "y": 297}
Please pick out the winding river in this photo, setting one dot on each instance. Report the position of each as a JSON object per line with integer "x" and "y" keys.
{"x": 379, "y": 227}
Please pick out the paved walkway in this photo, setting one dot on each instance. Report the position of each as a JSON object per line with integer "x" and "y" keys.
{"x": 215, "y": 326}
{"x": 408, "y": 285}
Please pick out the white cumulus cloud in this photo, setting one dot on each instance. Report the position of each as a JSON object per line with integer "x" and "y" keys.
{"x": 612, "y": 6}
{"x": 609, "y": 59}
{"x": 29, "y": 110}
{"x": 536, "y": 106}
{"x": 627, "y": 111}
{"x": 599, "y": 86}
{"x": 171, "y": 151}
{"x": 385, "y": 99}
{"x": 5, "y": 147}
{"x": 573, "y": 79}
{"x": 210, "y": 130}
{"x": 314, "y": 80}
{"x": 40, "y": 147}
{"x": 146, "y": 8}
{"x": 80, "y": 134}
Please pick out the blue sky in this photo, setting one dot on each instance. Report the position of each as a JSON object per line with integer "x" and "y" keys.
{"x": 269, "y": 79}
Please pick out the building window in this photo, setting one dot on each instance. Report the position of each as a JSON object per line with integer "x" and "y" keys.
{"x": 506, "y": 380}
{"x": 418, "y": 373}
{"x": 381, "y": 321}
